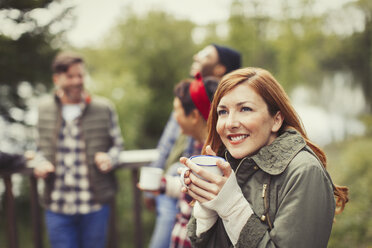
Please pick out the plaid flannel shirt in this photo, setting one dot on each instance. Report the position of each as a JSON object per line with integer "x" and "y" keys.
{"x": 72, "y": 192}
{"x": 179, "y": 238}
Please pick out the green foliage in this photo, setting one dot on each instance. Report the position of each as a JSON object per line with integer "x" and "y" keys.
{"x": 296, "y": 47}
{"x": 350, "y": 165}
{"x": 367, "y": 120}
{"x": 127, "y": 96}
{"x": 146, "y": 56}
{"x": 354, "y": 52}
{"x": 249, "y": 34}
{"x": 25, "y": 58}
{"x": 289, "y": 47}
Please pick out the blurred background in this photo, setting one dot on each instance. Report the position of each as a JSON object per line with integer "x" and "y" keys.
{"x": 136, "y": 51}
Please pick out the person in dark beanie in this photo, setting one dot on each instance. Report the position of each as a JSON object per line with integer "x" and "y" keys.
{"x": 228, "y": 57}
{"x": 212, "y": 61}
{"x": 216, "y": 61}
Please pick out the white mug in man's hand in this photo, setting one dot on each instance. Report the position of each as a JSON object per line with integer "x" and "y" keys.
{"x": 150, "y": 178}
{"x": 208, "y": 162}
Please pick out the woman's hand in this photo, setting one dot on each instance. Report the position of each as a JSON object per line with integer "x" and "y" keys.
{"x": 204, "y": 190}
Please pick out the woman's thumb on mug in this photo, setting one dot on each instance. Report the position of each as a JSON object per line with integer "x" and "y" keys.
{"x": 224, "y": 167}
{"x": 209, "y": 151}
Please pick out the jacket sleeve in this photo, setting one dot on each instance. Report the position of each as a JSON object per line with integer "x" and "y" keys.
{"x": 305, "y": 210}
{"x": 216, "y": 236}
{"x": 197, "y": 241}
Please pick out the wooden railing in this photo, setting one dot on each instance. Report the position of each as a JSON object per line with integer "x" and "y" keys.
{"x": 132, "y": 160}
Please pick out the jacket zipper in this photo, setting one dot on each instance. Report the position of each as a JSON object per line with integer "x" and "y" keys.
{"x": 264, "y": 190}
{"x": 265, "y": 196}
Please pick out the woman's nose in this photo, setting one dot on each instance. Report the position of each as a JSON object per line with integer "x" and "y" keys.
{"x": 232, "y": 121}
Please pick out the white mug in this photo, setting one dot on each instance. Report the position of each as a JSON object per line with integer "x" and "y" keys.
{"x": 208, "y": 162}
{"x": 150, "y": 178}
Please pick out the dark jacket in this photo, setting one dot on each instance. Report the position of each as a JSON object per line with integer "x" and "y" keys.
{"x": 95, "y": 124}
{"x": 291, "y": 195}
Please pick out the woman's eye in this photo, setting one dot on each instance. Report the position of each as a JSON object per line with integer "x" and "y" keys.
{"x": 221, "y": 112}
{"x": 244, "y": 109}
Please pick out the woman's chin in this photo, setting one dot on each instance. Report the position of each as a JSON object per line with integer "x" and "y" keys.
{"x": 238, "y": 155}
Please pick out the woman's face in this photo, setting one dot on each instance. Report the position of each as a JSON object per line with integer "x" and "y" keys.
{"x": 244, "y": 123}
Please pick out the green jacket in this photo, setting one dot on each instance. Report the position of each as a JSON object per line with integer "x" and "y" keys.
{"x": 291, "y": 195}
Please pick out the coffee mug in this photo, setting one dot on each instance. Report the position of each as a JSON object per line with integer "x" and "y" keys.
{"x": 208, "y": 162}
{"x": 150, "y": 178}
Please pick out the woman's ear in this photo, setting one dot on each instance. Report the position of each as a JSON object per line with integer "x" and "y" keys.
{"x": 196, "y": 116}
{"x": 278, "y": 122}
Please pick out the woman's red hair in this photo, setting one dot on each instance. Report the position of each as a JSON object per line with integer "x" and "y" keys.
{"x": 264, "y": 84}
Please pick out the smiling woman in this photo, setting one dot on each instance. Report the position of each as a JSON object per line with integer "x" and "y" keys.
{"x": 275, "y": 191}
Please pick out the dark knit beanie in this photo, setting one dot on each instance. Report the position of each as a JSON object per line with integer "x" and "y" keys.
{"x": 229, "y": 57}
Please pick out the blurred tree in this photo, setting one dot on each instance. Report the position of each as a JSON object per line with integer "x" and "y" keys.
{"x": 354, "y": 52}
{"x": 249, "y": 29}
{"x": 364, "y": 42}
{"x": 26, "y": 51}
{"x": 288, "y": 44}
{"x": 146, "y": 56}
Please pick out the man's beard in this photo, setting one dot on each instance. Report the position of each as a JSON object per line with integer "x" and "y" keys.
{"x": 205, "y": 71}
{"x": 74, "y": 94}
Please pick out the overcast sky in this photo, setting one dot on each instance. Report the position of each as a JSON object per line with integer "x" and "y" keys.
{"x": 104, "y": 14}
{"x": 95, "y": 17}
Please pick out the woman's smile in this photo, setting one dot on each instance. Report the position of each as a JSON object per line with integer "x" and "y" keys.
{"x": 237, "y": 138}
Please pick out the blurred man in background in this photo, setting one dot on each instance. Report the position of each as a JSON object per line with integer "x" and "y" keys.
{"x": 78, "y": 148}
